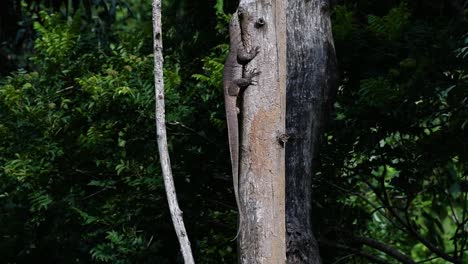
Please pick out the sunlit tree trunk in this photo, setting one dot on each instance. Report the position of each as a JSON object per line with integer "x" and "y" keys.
{"x": 262, "y": 197}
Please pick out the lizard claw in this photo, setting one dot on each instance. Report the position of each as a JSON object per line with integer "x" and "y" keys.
{"x": 252, "y": 73}
{"x": 256, "y": 50}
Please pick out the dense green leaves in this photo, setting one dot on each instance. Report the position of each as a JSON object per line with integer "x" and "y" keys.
{"x": 79, "y": 178}
{"x": 395, "y": 157}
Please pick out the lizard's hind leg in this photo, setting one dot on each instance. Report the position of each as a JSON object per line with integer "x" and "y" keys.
{"x": 247, "y": 80}
{"x": 234, "y": 88}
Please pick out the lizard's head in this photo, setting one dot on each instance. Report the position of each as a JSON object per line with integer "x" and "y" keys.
{"x": 240, "y": 12}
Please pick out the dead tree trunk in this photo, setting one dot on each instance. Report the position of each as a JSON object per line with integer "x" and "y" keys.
{"x": 262, "y": 189}
{"x": 311, "y": 86}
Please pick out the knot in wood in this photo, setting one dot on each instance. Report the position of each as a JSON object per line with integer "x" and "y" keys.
{"x": 260, "y": 22}
{"x": 283, "y": 139}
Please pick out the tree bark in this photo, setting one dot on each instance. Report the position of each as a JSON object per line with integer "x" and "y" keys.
{"x": 311, "y": 88}
{"x": 262, "y": 189}
{"x": 176, "y": 213}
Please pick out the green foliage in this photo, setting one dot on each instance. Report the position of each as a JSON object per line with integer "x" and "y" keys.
{"x": 120, "y": 247}
{"x": 57, "y": 39}
{"x": 344, "y": 26}
{"x": 394, "y": 151}
{"x": 69, "y": 141}
{"x": 79, "y": 177}
{"x": 215, "y": 247}
{"x": 213, "y": 66}
{"x": 390, "y": 26}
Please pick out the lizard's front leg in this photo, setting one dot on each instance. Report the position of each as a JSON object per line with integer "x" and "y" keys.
{"x": 244, "y": 57}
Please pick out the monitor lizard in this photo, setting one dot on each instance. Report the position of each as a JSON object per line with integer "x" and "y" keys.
{"x": 234, "y": 83}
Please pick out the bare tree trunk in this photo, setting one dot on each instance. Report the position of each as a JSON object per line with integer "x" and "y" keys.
{"x": 176, "y": 213}
{"x": 262, "y": 190}
{"x": 311, "y": 87}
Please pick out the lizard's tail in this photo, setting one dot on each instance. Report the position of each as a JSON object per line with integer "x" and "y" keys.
{"x": 233, "y": 130}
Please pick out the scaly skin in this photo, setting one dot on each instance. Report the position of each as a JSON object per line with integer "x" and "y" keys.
{"x": 234, "y": 84}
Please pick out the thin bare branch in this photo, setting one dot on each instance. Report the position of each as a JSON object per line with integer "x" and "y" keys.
{"x": 176, "y": 213}
{"x": 387, "y": 249}
{"x": 345, "y": 248}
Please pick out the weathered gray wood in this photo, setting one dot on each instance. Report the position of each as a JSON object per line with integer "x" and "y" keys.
{"x": 176, "y": 213}
{"x": 311, "y": 86}
{"x": 262, "y": 190}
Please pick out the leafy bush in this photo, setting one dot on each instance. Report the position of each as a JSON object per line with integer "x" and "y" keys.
{"x": 394, "y": 159}
{"x": 80, "y": 181}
